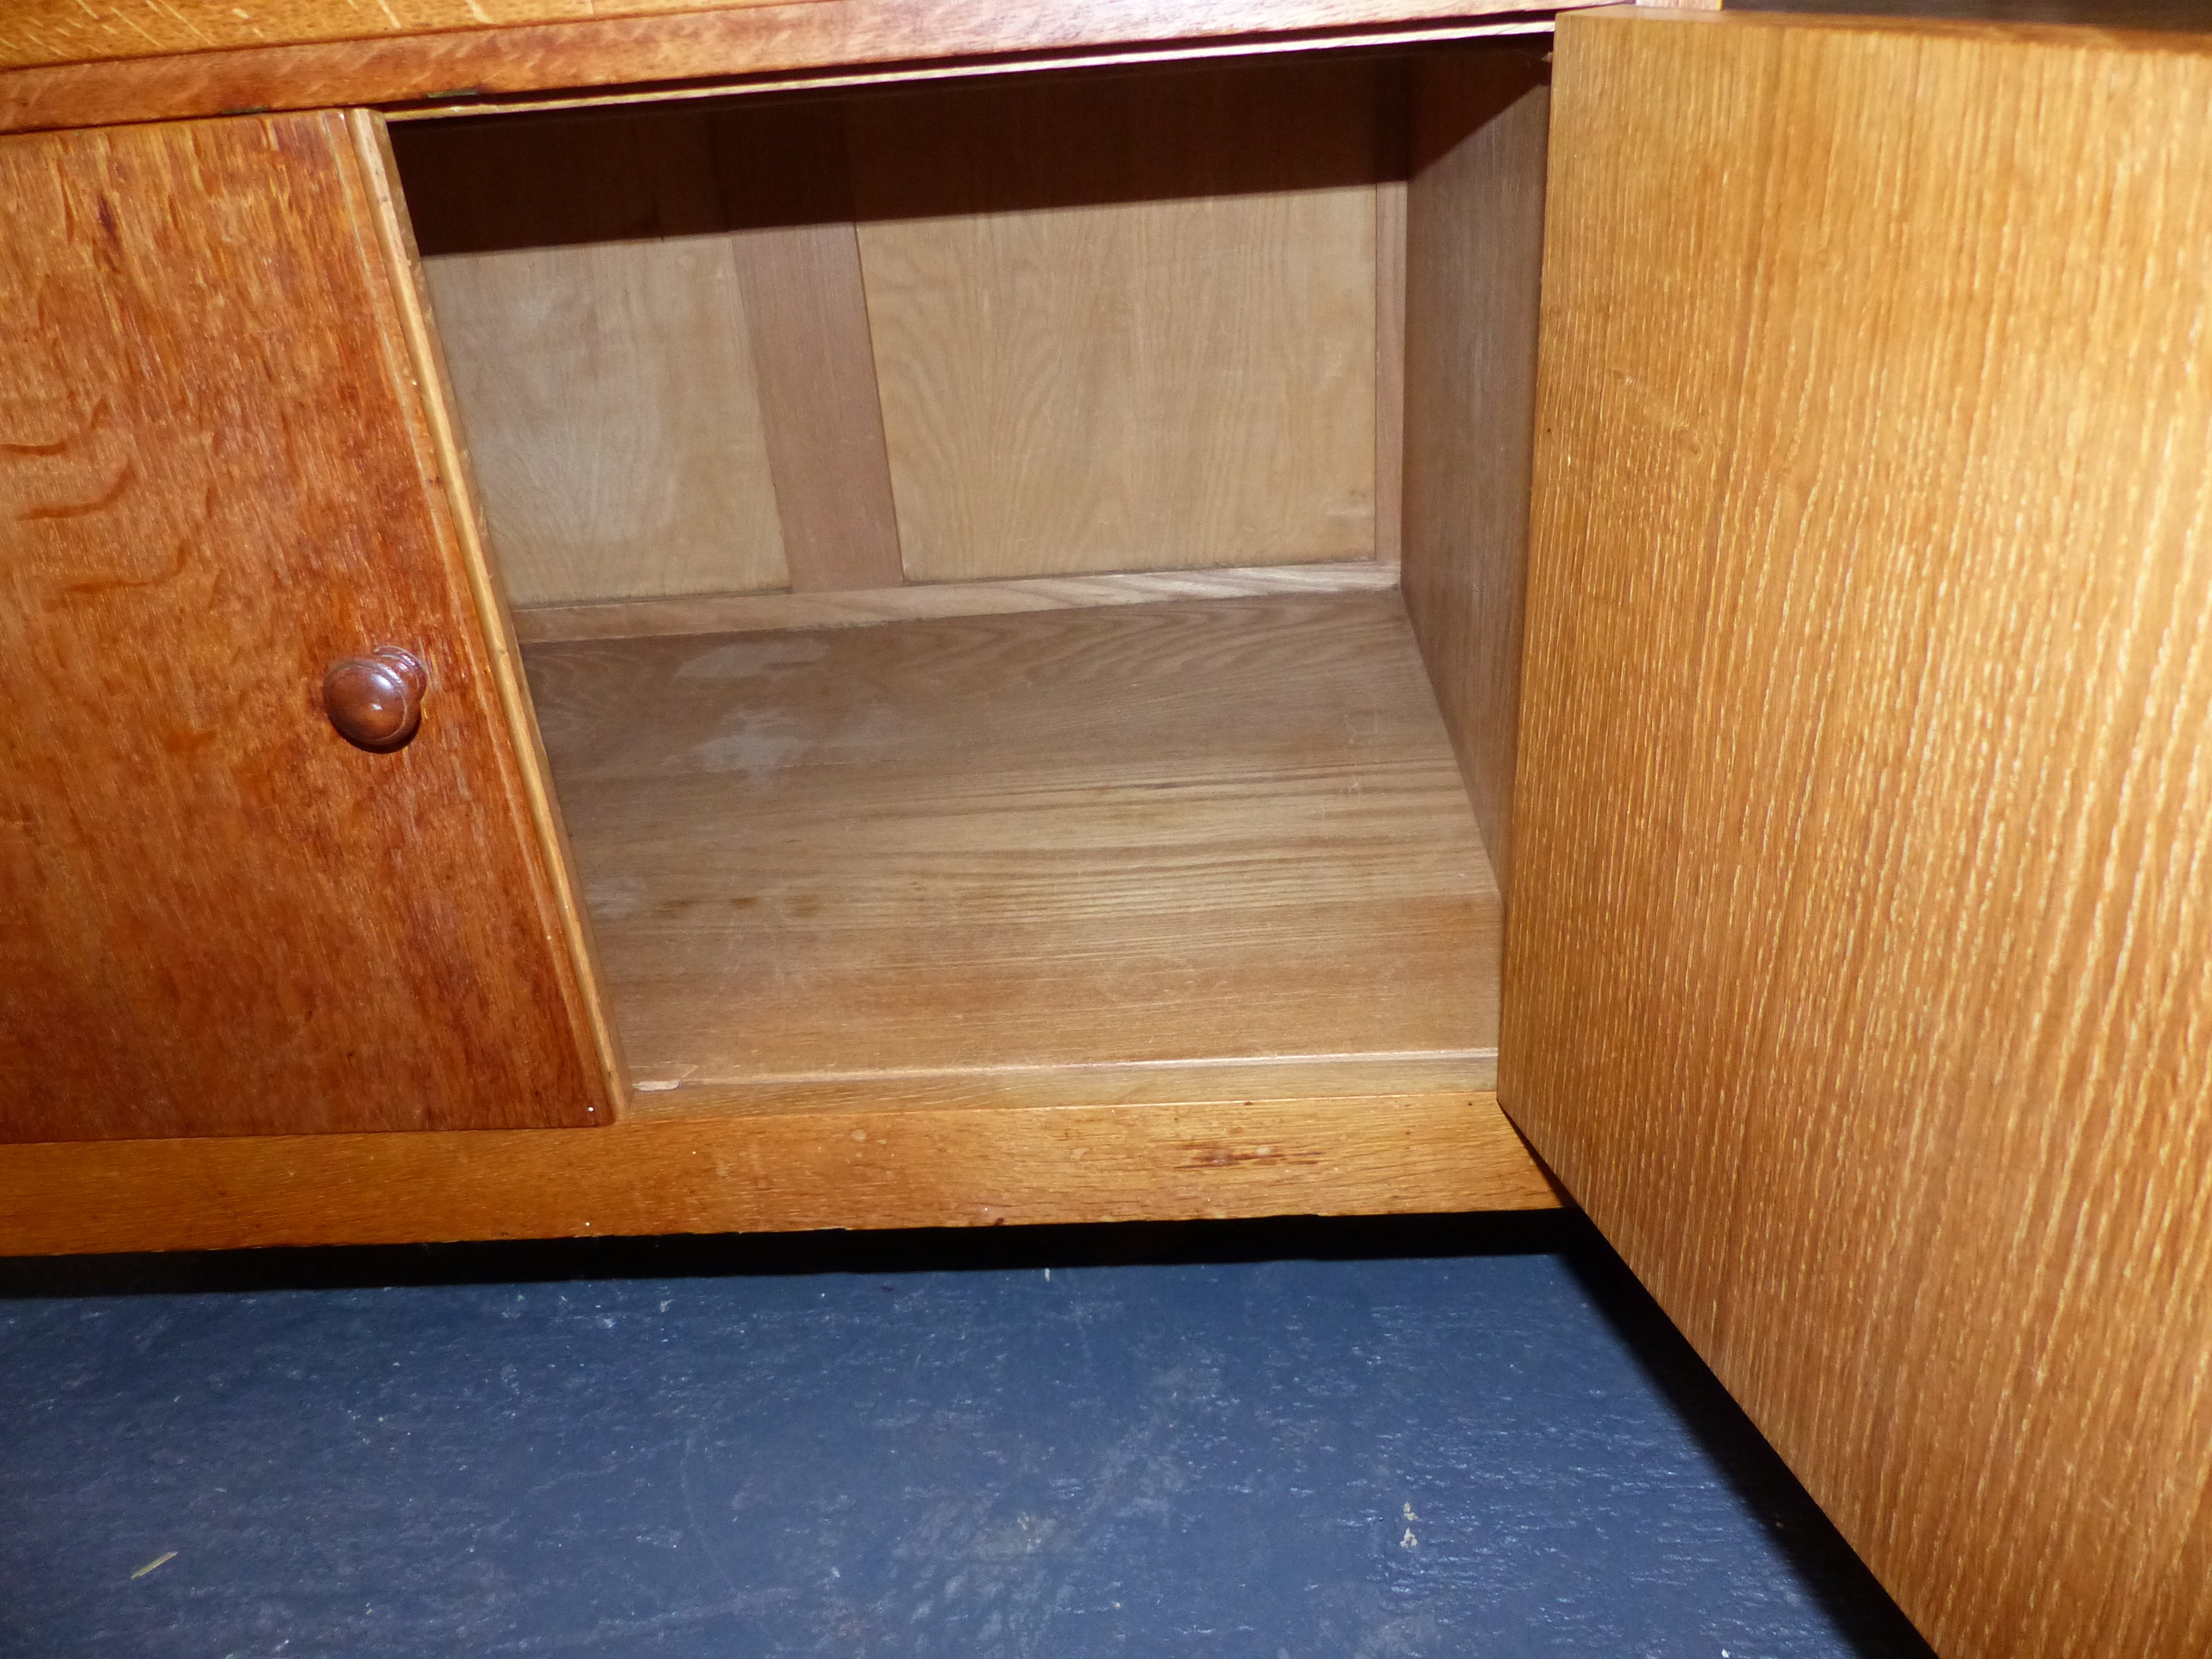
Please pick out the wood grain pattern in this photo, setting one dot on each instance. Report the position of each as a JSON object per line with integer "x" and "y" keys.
{"x": 1527, "y": 28}
{"x": 1123, "y": 322}
{"x": 1199, "y": 831}
{"x": 426, "y": 359}
{"x": 667, "y": 52}
{"x": 935, "y": 1168}
{"x": 665, "y": 346}
{"x": 1389, "y": 369}
{"x": 629, "y": 412}
{"x": 1857, "y": 983}
{"x": 2186, "y": 14}
{"x": 1474, "y": 244}
{"x": 786, "y": 172}
{"x": 1393, "y": 163}
{"x": 70, "y": 31}
{"x": 597, "y": 333}
{"x": 770, "y": 613}
{"x": 222, "y": 917}
{"x": 1344, "y": 1077}
{"x": 609, "y": 397}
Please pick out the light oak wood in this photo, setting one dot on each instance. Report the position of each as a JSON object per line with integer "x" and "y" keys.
{"x": 1393, "y": 162}
{"x": 1390, "y": 366}
{"x": 1125, "y": 322}
{"x": 2183, "y": 14}
{"x": 1475, "y": 263}
{"x": 1347, "y": 1078}
{"x": 664, "y": 348}
{"x": 784, "y": 171}
{"x": 666, "y": 341}
{"x": 596, "y": 330}
{"x": 222, "y": 917}
{"x": 1858, "y": 981}
{"x": 767, "y": 612}
{"x": 1193, "y": 832}
{"x": 610, "y": 401}
{"x": 671, "y": 54}
{"x": 946, "y": 1168}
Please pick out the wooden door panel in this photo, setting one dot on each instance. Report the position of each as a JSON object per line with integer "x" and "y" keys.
{"x": 1857, "y": 978}
{"x": 218, "y": 475}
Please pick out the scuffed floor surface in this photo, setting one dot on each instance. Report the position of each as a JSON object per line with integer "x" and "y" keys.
{"x": 1406, "y": 1440}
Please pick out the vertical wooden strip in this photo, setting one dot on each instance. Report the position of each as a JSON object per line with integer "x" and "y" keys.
{"x": 1393, "y": 147}
{"x": 1475, "y": 225}
{"x": 1389, "y": 369}
{"x": 787, "y": 191}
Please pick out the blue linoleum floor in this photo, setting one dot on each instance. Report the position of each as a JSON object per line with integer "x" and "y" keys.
{"x": 1469, "y": 1437}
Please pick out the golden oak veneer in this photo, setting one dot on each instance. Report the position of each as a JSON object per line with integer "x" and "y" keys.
{"x": 945, "y": 1167}
{"x": 1858, "y": 981}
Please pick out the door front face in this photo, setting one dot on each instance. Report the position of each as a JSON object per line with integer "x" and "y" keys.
{"x": 219, "y": 477}
{"x": 1856, "y": 976}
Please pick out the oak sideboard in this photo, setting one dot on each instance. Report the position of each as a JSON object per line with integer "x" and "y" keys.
{"x": 655, "y": 616}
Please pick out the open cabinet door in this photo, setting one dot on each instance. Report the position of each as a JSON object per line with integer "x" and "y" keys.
{"x": 235, "y": 896}
{"x": 1860, "y": 973}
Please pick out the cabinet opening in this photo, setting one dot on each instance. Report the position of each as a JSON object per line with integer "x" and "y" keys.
{"x": 974, "y": 548}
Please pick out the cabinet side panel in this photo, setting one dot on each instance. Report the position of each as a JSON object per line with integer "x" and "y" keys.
{"x": 1475, "y": 229}
{"x": 1856, "y": 980}
{"x": 218, "y": 477}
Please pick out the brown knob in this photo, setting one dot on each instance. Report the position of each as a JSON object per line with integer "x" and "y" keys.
{"x": 375, "y": 701}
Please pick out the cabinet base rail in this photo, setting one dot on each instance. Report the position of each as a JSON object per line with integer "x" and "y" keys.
{"x": 937, "y": 1168}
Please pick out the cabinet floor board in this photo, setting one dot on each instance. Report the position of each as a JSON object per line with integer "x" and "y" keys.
{"x": 1203, "y": 849}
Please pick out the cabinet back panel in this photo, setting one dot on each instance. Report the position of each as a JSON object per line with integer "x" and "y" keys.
{"x": 597, "y": 338}
{"x": 1079, "y": 324}
{"x": 1126, "y": 322}
{"x": 607, "y": 396}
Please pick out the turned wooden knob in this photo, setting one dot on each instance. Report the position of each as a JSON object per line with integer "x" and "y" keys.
{"x": 375, "y": 701}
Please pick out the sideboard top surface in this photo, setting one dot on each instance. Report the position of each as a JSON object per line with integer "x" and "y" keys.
{"x": 65, "y": 65}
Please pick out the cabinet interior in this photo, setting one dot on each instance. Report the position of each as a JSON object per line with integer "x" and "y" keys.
{"x": 1018, "y": 578}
